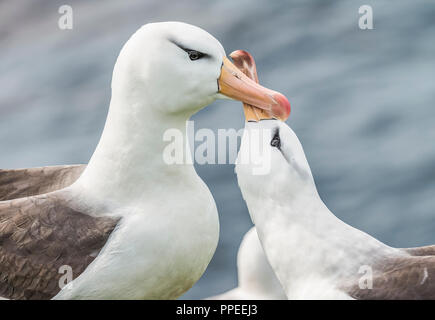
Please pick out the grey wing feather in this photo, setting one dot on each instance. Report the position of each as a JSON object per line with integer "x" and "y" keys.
{"x": 421, "y": 251}
{"x": 405, "y": 278}
{"x": 40, "y": 234}
{"x": 19, "y": 183}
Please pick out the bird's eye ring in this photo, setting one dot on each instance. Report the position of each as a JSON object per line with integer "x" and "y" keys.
{"x": 194, "y": 55}
{"x": 276, "y": 141}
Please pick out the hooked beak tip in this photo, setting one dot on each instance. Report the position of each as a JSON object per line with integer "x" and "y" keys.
{"x": 283, "y": 107}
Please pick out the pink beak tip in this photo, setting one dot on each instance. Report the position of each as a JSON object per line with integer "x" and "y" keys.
{"x": 283, "y": 105}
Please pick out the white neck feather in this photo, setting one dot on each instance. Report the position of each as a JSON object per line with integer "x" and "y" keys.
{"x": 303, "y": 240}
{"x": 128, "y": 161}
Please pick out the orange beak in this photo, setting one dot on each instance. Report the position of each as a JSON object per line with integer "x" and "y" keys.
{"x": 234, "y": 84}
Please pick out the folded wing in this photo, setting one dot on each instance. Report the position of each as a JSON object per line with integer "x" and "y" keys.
{"x": 19, "y": 183}
{"x": 39, "y": 235}
{"x": 404, "y": 278}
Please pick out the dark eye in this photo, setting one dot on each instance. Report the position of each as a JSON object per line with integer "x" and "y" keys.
{"x": 276, "y": 141}
{"x": 194, "y": 55}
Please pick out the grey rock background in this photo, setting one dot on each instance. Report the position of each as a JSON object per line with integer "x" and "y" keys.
{"x": 363, "y": 101}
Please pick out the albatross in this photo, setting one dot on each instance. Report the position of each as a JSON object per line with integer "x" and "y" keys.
{"x": 127, "y": 225}
{"x": 314, "y": 254}
{"x": 257, "y": 280}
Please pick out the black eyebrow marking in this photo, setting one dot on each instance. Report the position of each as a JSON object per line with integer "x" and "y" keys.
{"x": 204, "y": 55}
{"x": 178, "y": 44}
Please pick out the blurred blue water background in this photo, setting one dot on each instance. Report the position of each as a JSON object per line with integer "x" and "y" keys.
{"x": 363, "y": 101}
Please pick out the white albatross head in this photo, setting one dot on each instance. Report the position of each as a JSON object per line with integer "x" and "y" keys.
{"x": 179, "y": 68}
{"x": 272, "y": 145}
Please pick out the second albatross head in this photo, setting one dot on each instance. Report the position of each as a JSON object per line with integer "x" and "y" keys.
{"x": 273, "y": 147}
{"x": 180, "y": 68}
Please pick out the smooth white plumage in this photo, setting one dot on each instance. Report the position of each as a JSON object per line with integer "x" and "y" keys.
{"x": 257, "y": 281}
